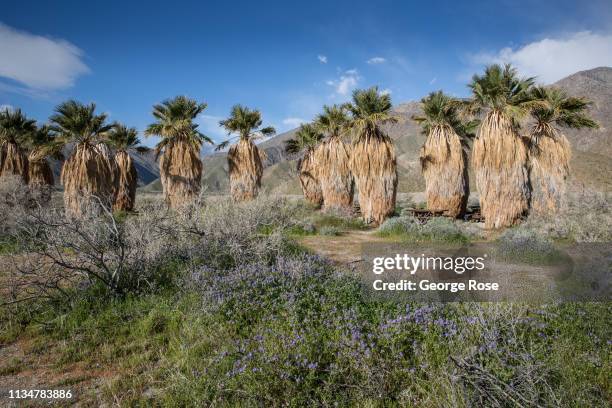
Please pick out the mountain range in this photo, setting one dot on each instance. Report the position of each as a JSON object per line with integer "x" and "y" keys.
{"x": 591, "y": 161}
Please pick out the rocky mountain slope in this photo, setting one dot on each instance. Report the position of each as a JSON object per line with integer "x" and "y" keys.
{"x": 592, "y": 164}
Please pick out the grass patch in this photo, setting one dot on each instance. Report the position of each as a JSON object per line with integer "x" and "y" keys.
{"x": 409, "y": 229}
{"x": 8, "y": 245}
{"x": 341, "y": 222}
{"x": 12, "y": 366}
{"x": 330, "y": 231}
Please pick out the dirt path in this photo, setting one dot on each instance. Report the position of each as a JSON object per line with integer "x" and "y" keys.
{"x": 345, "y": 248}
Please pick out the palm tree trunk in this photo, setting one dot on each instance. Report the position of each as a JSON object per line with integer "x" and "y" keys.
{"x": 444, "y": 166}
{"x": 13, "y": 162}
{"x": 126, "y": 182}
{"x": 180, "y": 170}
{"x": 374, "y": 167}
{"x": 245, "y": 170}
{"x": 88, "y": 181}
{"x": 500, "y": 162}
{"x": 311, "y": 187}
{"x": 549, "y": 165}
{"x": 332, "y": 159}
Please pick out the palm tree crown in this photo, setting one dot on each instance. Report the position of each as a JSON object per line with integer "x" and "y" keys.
{"x": 333, "y": 121}
{"x": 46, "y": 142}
{"x": 443, "y": 111}
{"x": 245, "y": 122}
{"x": 552, "y": 106}
{"x": 306, "y": 138}
{"x": 500, "y": 89}
{"x": 15, "y": 127}
{"x": 174, "y": 122}
{"x": 123, "y": 138}
{"x": 369, "y": 110}
{"x": 77, "y": 122}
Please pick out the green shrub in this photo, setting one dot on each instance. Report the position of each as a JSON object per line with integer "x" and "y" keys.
{"x": 441, "y": 229}
{"x": 329, "y": 230}
{"x": 408, "y": 228}
{"x": 398, "y": 226}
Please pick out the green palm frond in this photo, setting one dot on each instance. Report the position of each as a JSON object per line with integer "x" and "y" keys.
{"x": 15, "y": 127}
{"x": 175, "y": 121}
{"x": 78, "y": 123}
{"x": 223, "y": 145}
{"x": 245, "y": 123}
{"x": 441, "y": 110}
{"x": 45, "y": 140}
{"x": 553, "y": 106}
{"x": 123, "y": 138}
{"x": 307, "y": 137}
{"x": 369, "y": 110}
{"x": 500, "y": 89}
{"x": 333, "y": 121}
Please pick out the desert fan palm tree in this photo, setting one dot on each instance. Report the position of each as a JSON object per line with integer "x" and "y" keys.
{"x": 443, "y": 156}
{"x": 332, "y": 158}
{"x": 123, "y": 139}
{"x": 499, "y": 155}
{"x": 43, "y": 144}
{"x": 306, "y": 140}
{"x": 180, "y": 165}
{"x": 549, "y": 149}
{"x": 86, "y": 174}
{"x": 244, "y": 158}
{"x": 373, "y": 162}
{"x": 15, "y": 129}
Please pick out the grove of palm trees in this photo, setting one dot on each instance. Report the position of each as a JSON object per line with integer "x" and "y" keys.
{"x": 518, "y": 166}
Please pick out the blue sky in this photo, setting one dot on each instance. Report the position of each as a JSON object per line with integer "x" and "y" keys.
{"x": 285, "y": 59}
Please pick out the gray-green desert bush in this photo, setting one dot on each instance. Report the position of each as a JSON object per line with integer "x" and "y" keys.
{"x": 409, "y": 228}
{"x": 525, "y": 245}
{"x": 585, "y": 216}
{"x": 329, "y": 230}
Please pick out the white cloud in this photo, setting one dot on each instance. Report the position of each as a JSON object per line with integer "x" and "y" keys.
{"x": 376, "y": 60}
{"x": 346, "y": 83}
{"x": 38, "y": 62}
{"x": 209, "y": 125}
{"x": 386, "y": 91}
{"x": 322, "y": 59}
{"x": 433, "y": 81}
{"x": 551, "y": 59}
{"x": 293, "y": 122}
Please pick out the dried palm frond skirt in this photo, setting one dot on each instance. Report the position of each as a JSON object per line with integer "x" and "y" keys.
{"x": 245, "y": 170}
{"x": 332, "y": 166}
{"x": 13, "y": 162}
{"x": 88, "y": 181}
{"x": 444, "y": 167}
{"x": 127, "y": 179}
{"x": 374, "y": 168}
{"x": 310, "y": 184}
{"x": 180, "y": 171}
{"x": 549, "y": 164}
{"x": 499, "y": 159}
